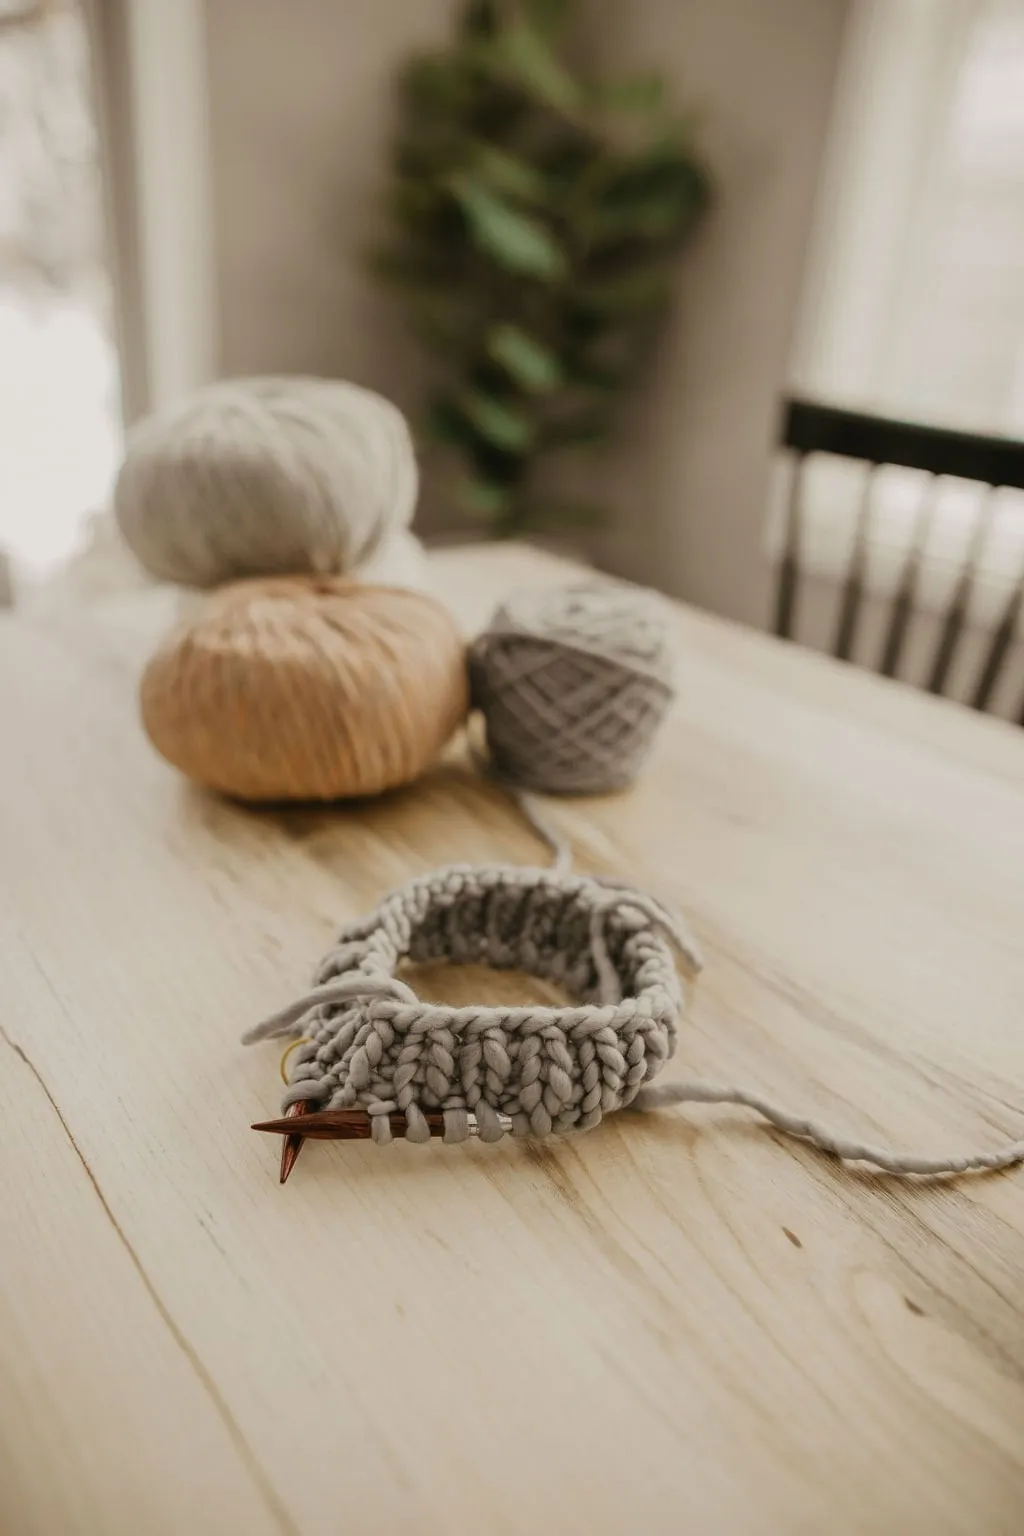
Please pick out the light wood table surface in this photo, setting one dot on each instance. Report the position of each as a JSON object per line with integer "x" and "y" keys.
{"x": 679, "y": 1323}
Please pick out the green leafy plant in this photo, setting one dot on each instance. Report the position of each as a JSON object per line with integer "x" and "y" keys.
{"x": 534, "y": 222}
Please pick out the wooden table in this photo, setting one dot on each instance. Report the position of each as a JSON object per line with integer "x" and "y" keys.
{"x": 679, "y": 1323}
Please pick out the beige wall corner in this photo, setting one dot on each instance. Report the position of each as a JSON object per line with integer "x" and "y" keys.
{"x": 689, "y": 475}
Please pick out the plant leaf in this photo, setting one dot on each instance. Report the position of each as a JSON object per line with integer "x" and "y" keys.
{"x": 480, "y": 18}
{"x": 627, "y": 296}
{"x": 633, "y": 93}
{"x": 527, "y": 57}
{"x": 519, "y": 242}
{"x": 657, "y": 197}
{"x": 580, "y": 430}
{"x": 529, "y": 362}
{"x": 599, "y": 379}
{"x": 443, "y": 424}
{"x": 499, "y": 423}
{"x": 484, "y": 499}
{"x": 507, "y": 174}
{"x": 433, "y": 83}
{"x": 548, "y": 16}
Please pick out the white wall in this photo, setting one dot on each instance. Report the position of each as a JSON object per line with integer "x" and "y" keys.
{"x": 300, "y": 94}
{"x": 301, "y": 98}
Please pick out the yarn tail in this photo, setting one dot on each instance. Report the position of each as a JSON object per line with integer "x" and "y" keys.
{"x": 883, "y": 1158}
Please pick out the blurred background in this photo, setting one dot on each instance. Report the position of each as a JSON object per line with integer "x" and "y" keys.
{"x": 197, "y": 188}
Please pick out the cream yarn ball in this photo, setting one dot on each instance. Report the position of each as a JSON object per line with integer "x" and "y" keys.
{"x": 266, "y": 476}
{"x": 307, "y": 688}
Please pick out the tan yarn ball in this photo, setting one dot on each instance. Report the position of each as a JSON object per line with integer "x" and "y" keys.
{"x": 307, "y": 688}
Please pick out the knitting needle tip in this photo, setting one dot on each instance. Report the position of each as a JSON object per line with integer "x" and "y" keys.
{"x": 292, "y": 1144}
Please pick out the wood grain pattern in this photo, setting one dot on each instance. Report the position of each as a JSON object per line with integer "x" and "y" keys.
{"x": 675, "y": 1323}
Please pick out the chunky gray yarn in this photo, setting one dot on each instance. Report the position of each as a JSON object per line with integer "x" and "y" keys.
{"x": 573, "y": 683}
{"x": 266, "y": 476}
{"x": 369, "y": 1042}
{"x": 372, "y": 1043}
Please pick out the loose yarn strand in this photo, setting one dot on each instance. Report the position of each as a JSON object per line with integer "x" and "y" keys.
{"x": 342, "y": 990}
{"x": 528, "y": 807}
{"x": 901, "y": 1165}
{"x": 671, "y": 924}
{"x": 561, "y": 849}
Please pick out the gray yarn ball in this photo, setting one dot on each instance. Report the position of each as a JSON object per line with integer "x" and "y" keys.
{"x": 573, "y": 683}
{"x": 266, "y": 476}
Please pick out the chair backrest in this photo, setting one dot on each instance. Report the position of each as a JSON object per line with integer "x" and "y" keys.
{"x": 995, "y": 462}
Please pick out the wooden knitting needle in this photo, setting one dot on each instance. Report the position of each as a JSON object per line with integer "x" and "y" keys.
{"x": 332, "y": 1125}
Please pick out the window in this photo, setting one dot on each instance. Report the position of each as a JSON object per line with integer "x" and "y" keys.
{"x": 915, "y": 300}
{"x": 59, "y": 386}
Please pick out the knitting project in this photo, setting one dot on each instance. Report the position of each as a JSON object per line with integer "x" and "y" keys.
{"x": 370, "y": 1042}
{"x": 531, "y": 1070}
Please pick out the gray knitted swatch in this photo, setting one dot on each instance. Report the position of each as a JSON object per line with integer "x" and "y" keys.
{"x": 533, "y": 1071}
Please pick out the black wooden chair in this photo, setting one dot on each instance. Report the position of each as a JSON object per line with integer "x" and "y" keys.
{"x": 874, "y": 440}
